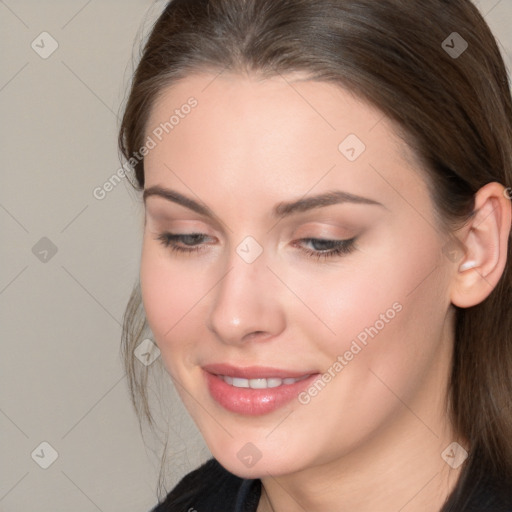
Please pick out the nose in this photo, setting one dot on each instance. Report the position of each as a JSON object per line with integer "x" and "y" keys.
{"x": 246, "y": 303}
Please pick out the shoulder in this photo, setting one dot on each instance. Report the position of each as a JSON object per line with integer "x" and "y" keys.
{"x": 494, "y": 495}
{"x": 480, "y": 492}
{"x": 211, "y": 488}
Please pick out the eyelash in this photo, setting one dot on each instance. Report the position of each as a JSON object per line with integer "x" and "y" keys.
{"x": 342, "y": 247}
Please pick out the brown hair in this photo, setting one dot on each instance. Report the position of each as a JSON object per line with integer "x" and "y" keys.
{"x": 455, "y": 112}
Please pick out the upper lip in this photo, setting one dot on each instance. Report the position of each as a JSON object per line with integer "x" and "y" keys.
{"x": 254, "y": 372}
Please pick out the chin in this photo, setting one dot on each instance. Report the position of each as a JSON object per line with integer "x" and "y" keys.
{"x": 249, "y": 462}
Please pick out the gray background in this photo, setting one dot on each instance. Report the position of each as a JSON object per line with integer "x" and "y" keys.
{"x": 61, "y": 377}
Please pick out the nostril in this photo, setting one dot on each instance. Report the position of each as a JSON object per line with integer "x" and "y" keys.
{"x": 256, "y": 334}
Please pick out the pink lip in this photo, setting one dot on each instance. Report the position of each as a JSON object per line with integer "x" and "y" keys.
{"x": 253, "y": 402}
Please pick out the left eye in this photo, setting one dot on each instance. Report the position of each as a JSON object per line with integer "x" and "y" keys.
{"x": 321, "y": 248}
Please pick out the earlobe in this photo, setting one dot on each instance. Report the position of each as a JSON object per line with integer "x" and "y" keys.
{"x": 486, "y": 240}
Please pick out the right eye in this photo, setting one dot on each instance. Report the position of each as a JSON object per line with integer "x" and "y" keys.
{"x": 190, "y": 242}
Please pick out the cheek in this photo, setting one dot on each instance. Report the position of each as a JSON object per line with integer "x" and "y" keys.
{"x": 388, "y": 321}
{"x": 171, "y": 301}
{"x": 392, "y": 304}
{"x": 349, "y": 298}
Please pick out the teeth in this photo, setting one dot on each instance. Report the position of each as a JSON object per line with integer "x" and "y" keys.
{"x": 273, "y": 382}
{"x": 240, "y": 383}
{"x": 258, "y": 383}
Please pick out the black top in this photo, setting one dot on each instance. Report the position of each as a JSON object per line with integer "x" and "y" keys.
{"x": 211, "y": 488}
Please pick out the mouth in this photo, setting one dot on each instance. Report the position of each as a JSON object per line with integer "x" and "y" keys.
{"x": 254, "y": 390}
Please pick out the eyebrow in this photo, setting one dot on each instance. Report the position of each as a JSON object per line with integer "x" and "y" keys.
{"x": 281, "y": 210}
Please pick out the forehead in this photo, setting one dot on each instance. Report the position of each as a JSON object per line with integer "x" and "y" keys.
{"x": 289, "y": 104}
{"x": 285, "y": 132}
{"x": 282, "y": 97}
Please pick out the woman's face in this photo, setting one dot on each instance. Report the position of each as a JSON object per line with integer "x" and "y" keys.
{"x": 312, "y": 254}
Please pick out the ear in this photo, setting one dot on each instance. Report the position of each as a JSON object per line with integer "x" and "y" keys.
{"x": 485, "y": 238}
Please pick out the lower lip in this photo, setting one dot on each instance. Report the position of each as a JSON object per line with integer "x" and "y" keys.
{"x": 254, "y": 402}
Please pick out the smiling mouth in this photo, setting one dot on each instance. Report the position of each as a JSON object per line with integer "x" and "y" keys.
{"x": 254, "y": 390}
{"x": 272, "y": 382}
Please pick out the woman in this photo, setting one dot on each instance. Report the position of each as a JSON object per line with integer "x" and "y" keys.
{"x": 325, "y": 265}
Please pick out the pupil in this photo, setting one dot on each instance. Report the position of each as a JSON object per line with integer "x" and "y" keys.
{"x": 192, "y": 239}
{"x": 322, "y": 245}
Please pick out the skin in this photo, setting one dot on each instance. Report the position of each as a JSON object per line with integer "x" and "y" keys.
{"x": 372, "y": 438}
